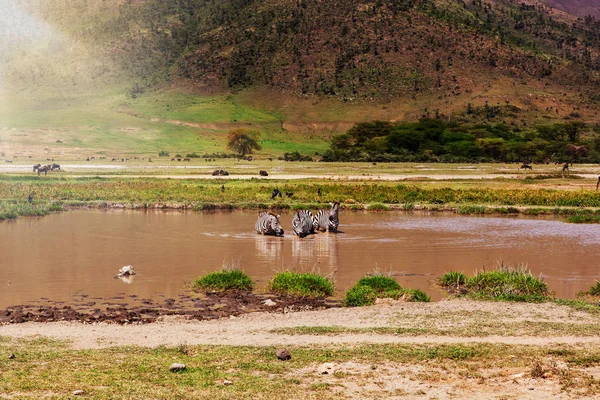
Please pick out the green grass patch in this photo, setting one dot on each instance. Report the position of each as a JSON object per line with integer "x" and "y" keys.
{"x": 595, "y": 289}
{"x": 301, "y": 285}
{"x": 369, "y": 289}
{"x": 222, "y": 281}
{"x": 508, "y": 283}
{"x": 377, "y": 207}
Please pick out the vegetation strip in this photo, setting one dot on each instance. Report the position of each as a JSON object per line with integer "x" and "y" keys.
{"x": 142, "y": 193}
{"x": 126, "y": 372}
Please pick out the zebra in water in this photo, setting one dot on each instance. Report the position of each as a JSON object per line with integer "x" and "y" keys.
{"x": 327, "y": 220}
{"x": 302, "y": 223}
{"x": 268, "y": 224}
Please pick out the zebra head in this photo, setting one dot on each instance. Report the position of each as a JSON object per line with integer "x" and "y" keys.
{"x": 275, "y": 225}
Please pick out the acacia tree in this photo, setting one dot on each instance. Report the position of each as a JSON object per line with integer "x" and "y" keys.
{"x": 243, "y": 141}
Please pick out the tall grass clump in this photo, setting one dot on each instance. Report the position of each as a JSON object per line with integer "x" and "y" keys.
{"x": 506, "y": 282}
{"x": 595, "y": 290}
{"x": 369, "y": 289}
{"x": 225, "y": 280}
{"x": 301, "y": 284}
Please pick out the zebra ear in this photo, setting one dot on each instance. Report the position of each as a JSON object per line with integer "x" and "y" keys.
{"x": 278, "y": 216}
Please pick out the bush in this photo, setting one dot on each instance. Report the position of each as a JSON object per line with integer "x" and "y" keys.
{"x": 452, "y": 278}
{"x": 192, "y": 155}
{"x": 301, "y": 284}
{"x": 379, "y": 283}
{"x": 511, "y": 283}
{"x": 595, "y": 290}
{"x": 369, "y": 289}
{"x": 358, "y": 296}
{"x": 296, "y": 156}
{"x": 222, "y": 281}
{"x": 163, "y": 153}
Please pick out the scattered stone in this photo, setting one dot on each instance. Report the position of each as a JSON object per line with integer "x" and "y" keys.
{"x": 269, "y": 303}
{"x": 227, "y": 382}
{"x": 78, "y": 392}
{"x": 12, "y": 356}
{"x": 176, "y": 367}
{"x": 326, "y": 369}
{"x": 518, "y": 375}
{"x": 283, "y": 354}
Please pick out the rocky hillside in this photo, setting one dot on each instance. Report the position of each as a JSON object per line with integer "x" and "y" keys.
{"x": 352, "y": 50}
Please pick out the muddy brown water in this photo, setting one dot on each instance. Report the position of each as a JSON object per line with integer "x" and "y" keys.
{"x": 71, "y": 254}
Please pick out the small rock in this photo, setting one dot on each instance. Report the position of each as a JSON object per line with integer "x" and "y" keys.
{"x": 326, "y": 369}
{"x": 518, "y": 375}
{"x": 283, "y": 354}
{"x": 11, "y": 356}
{"x": 176, "y": 367}
{"x": 269, "y": 303}
{"x": 78, "y": 392}
{"x": 227, "y": 382}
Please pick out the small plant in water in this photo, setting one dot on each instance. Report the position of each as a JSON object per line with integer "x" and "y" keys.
{"x": 595, "y": 290}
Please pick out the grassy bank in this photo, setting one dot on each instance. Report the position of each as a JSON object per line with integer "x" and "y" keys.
{"x": 205, "y": 194}
{"x": 224, "y": 372}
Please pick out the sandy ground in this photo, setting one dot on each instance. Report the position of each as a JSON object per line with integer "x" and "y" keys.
{"x": 256, "y": 329}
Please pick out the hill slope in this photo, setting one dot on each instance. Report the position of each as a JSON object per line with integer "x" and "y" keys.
{"x": 581, "y": 8}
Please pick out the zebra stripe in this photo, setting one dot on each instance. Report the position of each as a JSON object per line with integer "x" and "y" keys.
{"x": 268, "y": 224}
{"x": 327, "y": 220}
{"x": 302, "y": 223}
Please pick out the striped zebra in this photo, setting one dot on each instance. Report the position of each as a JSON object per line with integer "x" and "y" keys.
{"x": 302, "y": 223}
{"x": 268, "y": 224}
{"x": 327, "y": 220}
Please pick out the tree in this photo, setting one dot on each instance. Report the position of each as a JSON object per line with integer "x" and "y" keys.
{"x": 243, "y": 141}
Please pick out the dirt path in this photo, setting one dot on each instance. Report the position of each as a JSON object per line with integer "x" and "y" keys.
{"x": 454, "y": 321}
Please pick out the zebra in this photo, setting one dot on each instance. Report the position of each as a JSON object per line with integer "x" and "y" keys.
{"x": 302, "y": 223}
{"x": 268, "y": 224}
{"x": 327, "y": 220}
{"x": 36, "y": 166}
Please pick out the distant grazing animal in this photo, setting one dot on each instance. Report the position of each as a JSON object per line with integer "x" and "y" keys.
{"x": 44, "y": 169}
{"x": 87, "y": 159}
{"x": 186, "y": 159}
{"x": 55, "y": 166}
{"x": 222, "y": 188}
{"x": 268, "y": 224}
{"x": 36, "y": 166}
{"x": 565, "y": 167}
{"x": 30, "y": 199}
{"x": 319, "y": 191}
{"x": 149, "y": 160}
{"x": 275, "y": 193}
{"x": 302, "y": 223}
{"x": 263, "y": 173}
{"x": 598, "y": 184}
{"x": 289, "y": 194}
{"x": 220, "y": 172}
{"x": 526, "y": 166}
{"x": 8, "y": 161}
{"x": 327, "y": 220}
